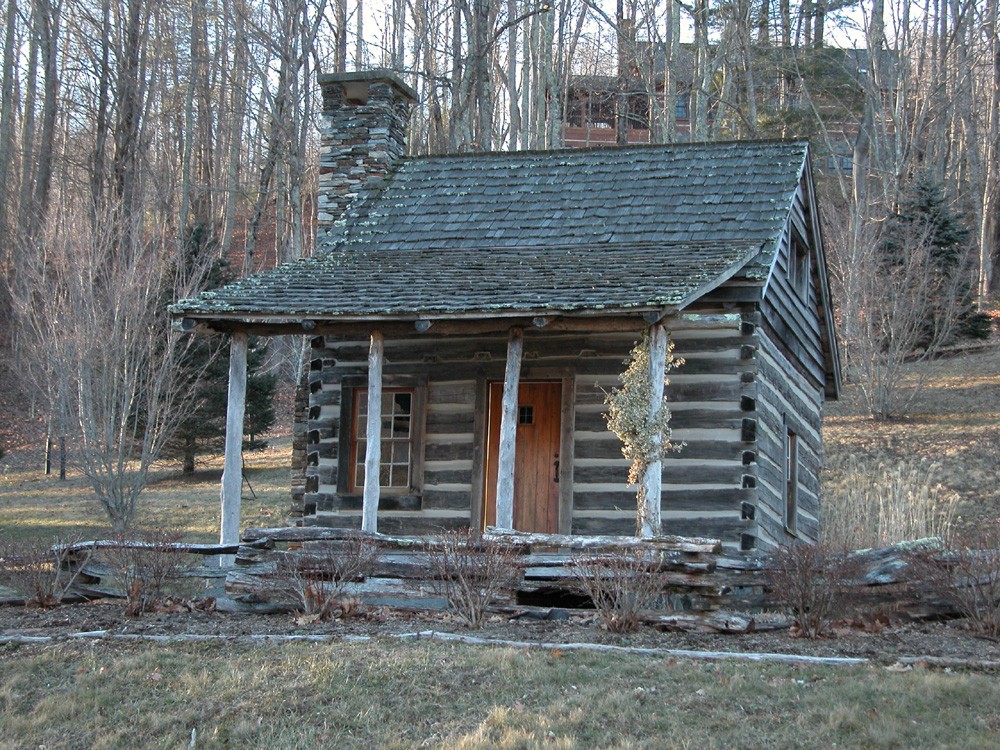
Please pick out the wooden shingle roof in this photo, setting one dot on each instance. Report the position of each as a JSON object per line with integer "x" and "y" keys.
{"x": 573, "y": 230}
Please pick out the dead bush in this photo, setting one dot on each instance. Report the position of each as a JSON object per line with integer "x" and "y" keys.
{"x": 472, "y": 573}
{"x": 314, "y": 579}
{"x": 143, "y": 563}
{"x": 812, "y": 582}
{"x": 42, "y": 572}
{"x": 622, "y": 585}
{"x": 968, "y": 576}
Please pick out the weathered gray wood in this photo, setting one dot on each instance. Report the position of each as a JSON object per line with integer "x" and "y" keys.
{"x": 194, "y": 549}
{"x": 477, "y": 485}
{"x": 662, "y": 542}
{"x": 232, "y": 472}
{"x": 652, "y": 478}
{"x": 567, "y": 468}
{"x": 608, "y": 648}
{"x": 508, "y": 430}
{"x": 373, "y": 434}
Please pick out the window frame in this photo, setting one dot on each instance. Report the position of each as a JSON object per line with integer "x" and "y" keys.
{"x": 790, "y": 481}
{"x": 799, "y": 264}
{"x": 355, "y": 389}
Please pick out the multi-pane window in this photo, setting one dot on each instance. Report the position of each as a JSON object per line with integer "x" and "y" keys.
{"x": 396, "y": 432}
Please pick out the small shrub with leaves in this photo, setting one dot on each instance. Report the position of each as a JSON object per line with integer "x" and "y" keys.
{"x": 472, "y": 573}
{"x": 644, "y": 438}
{"x": 144, "y": 562}
{"x": 314, "y": 579}
{"x": 623, "y": 586}
{"x": 811, "y": 581}
{"x": 42, "y": 572}
{"x": 968, "y": 576}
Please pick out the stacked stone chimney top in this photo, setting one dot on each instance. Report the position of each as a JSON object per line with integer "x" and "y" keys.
{"x": 362, "y": 136}
{"x": 353, "y": 88}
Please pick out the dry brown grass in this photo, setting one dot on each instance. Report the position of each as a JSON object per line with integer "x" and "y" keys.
{"x": 45, "y": 508}
{"x": 390, "y": 694}
{"x": 953, "y": 424}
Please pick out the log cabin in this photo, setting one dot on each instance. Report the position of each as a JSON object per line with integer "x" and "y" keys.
{"x": 468, "y": 313}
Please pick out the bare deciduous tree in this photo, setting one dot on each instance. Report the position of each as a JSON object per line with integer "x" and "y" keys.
{"x": 93, "y": 328}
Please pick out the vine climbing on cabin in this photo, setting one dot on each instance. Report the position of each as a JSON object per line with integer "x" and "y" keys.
{"x": 643, "y": 430}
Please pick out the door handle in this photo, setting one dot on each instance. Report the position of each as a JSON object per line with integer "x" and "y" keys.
{"x": 556, "y": 465}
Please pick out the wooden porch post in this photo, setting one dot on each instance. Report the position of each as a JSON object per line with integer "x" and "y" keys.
{"x": 650, "y": 524}
{"x": 508, "y": 430}
{"x": 373, "y": 435}
{"x": 232, "y": 472}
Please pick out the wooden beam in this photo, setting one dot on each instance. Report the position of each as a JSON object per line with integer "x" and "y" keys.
{"x": 232, "y": 472}
{"x": 508, "y": 430}
{"x": 649, "y": 524}
{"x": 373, "y": 434}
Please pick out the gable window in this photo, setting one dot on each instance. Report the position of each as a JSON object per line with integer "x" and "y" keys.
{"x": 396, "y": 433}
{"x": 798, "y": 265}
{"x": 791, "y": 483}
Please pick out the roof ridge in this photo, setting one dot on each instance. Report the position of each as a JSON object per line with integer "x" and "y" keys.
{"x": 604, "y": 148}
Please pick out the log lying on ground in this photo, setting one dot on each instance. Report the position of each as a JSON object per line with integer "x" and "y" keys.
{"x": 194, "y": 549}
{"x": 609, "y": 543}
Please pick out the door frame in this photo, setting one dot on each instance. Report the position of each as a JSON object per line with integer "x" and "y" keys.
{"x": 567, "y": 420}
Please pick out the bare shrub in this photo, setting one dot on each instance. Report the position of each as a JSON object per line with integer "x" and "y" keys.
{"x": 896, "y": 307}
{"x": 622, "y": 585}
{"x": 42, "y": 572}
{"x": 313, "y": 580}
{"x": 969, "y": 577}
{"x": 811, "y": 581}
{"x": 472, "y": 573}
{"x": 872, "y": 504}
{"x": 144, "y": 562}
{"x": 93, "y": 339}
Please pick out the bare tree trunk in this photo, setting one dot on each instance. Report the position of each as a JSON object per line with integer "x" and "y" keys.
{"x": 7, "y": 195}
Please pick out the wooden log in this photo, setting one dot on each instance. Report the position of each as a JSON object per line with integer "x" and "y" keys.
{"x": 373, "y": 435}
{"x": 716, "y": 622}
{"x": 669, "y": 652}
{"x": 232, "y": 473}
{"x": 194, "y": 549}
{"x": 508, "y": 430}
{"x": 662, "y": 542}
{"x": 652, "y": 478}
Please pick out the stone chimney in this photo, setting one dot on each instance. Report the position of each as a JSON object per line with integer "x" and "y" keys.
{"x": 362, "y": 135}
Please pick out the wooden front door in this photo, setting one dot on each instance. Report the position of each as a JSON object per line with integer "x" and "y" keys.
{"x": 536, "y": 456}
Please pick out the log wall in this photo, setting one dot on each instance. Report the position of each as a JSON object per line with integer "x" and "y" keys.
{"x": 708, "y": 486}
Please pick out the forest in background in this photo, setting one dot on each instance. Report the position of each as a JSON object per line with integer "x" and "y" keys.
{"x": 142, "y": 141}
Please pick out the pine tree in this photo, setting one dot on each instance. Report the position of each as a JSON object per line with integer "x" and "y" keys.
{"x": 207, "y": 360}
{"x": 926, "y": 212}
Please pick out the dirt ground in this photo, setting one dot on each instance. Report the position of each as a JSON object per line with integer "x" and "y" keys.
{"x": 883, "y": 642}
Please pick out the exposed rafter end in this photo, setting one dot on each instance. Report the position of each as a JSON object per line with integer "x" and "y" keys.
{"x": 540, "y": 321}
{"x": 308, "y": 325}
{"x": 423, "y": 326}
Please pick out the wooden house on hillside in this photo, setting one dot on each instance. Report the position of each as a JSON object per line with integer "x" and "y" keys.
{"x": 468, "y": 312}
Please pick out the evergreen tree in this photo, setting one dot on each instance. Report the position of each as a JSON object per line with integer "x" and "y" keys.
{"x": 926, "y": 212}
{"x": 207, "y": 361}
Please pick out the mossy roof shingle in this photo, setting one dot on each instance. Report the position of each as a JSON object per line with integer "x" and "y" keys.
{"x": 560, "y": 230}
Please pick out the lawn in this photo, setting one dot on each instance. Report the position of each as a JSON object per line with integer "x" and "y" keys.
{"x": 33, "y": 505}
{"x": 393, "y": 694}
